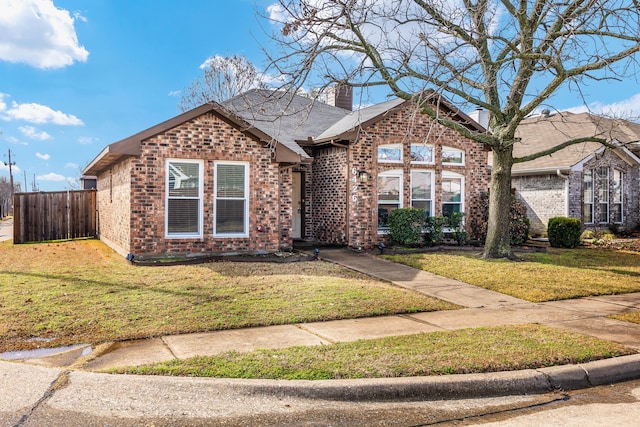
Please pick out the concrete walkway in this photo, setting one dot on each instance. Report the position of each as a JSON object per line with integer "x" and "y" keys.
{"x": 6, "y": 229}
{"x": 483, "y": 308}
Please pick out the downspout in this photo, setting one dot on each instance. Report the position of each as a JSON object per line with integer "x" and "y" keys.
{"x": 566, "y": 191}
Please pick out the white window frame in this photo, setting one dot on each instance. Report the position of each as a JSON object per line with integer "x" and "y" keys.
{"x": 450, "y": 175}
{"x": 588, "y": 204}
{"x": 453, "y": 150}
{"x": 603, "y": 190}
{"x": 395, "y": 173}
{"x": 618, "y": 189}
{"x": 389, "y": 146}
{"x": 431, "y": 185}
{"x": 246, "y": 199}
{"x": 200, "y": 198}
{"x": 420, "y": 162}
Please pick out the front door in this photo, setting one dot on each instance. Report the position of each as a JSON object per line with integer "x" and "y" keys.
{"x": 298, "y": 205}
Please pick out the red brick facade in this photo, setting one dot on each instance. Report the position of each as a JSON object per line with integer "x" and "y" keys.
{"x": 335, "y": 206}
{"x": 210, "y": 139}
{"x": 340, "y": 198}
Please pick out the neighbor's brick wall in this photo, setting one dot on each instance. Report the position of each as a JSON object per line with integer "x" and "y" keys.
{"x": 630, "y": 191}
{"x": 329, "y": 189}
{"x": 207, "y": 138}
{"x": 405, "y": 127}
{"x": 545, "y": 197}
{"x": 113, "y": 198}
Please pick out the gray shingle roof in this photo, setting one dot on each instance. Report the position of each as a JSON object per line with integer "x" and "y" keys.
{"x": 540, "y": 133}
{"x": 286, "y": 118}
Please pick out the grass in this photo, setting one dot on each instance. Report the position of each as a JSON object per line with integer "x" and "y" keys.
{"x": 82, "y": 292}
{"x": 452, "y": 352}
{"x": 555, "y": 275}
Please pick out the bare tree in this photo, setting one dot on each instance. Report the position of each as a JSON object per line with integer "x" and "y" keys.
{"x": 223, "y": 77}
{"x": 507, "y": 57}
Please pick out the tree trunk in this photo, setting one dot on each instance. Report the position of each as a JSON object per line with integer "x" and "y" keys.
{"x": 498, "y": 243}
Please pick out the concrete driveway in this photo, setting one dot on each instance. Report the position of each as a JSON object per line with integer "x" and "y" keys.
{"x": 6, "y": 229}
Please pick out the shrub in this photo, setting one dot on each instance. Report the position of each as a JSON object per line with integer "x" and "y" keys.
{"x": 433, "y": 230}
{"x": 405, "y": 226}
{"x": 564, "y": 232}
{"x": 518, "y": 222}
{"x": 455, "y": 221}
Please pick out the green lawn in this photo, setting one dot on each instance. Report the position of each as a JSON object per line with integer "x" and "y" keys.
{"x": 82, "y": 292}
{"x": 438, "y": 353}
{"x": 555, "y": 275}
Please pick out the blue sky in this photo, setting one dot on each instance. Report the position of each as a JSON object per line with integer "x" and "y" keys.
{"x": 77, "y": 75}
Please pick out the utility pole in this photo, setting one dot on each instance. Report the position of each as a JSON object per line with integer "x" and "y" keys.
{"x": 11, "y": 179}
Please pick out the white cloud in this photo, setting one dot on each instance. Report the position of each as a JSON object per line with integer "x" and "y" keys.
{"x": 39, "y": 34}
{"x": 5, "y": 167}
{"x": 175, "y": 93}
{"x": 87, "y": 140}
{"x": 72, "y": 165}
{"x": 13, "y": 140}
{"x": 33, "y": 133}
{"x": 43, "y": 156}
{"x": 54, "y": 177}
{"x": 626, "y": 109}
{"x": 39, "y": 114}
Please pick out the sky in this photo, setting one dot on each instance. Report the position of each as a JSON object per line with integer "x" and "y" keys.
{"x": 78, "y": 75}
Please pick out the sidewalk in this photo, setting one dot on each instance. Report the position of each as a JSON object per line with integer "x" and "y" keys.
{"x": 483, "y": 308}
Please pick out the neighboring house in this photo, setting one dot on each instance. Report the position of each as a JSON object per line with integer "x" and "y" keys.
{"x": 261, "y": 170}
{"x": 586, "y": 181}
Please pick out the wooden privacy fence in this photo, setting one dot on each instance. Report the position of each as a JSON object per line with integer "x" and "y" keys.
{"x": 54, "y": 215}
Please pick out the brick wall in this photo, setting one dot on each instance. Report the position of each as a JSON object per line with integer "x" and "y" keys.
{"x": 338, "y": 193}
{"x": 113, "y": 201}
{"x": 631, "y": 188}
{"x": 206, "y": 138}
{"x": 405, "y": 127}
{"x": 329, "y": 189}
{"x": 545, "y": 197}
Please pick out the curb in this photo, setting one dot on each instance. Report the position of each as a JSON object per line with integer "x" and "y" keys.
{"x": 494, "y": 384}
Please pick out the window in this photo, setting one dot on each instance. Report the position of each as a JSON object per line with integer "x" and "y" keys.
{"x": 421, "y": 153}
{"x": 421, "y": 190}
{"x": 587, "y": 195}
{"x": 603, "y": 194}
{"x": 389, "y": 195}
{"x": 184, "y": 198}
{"x": 231, "y": 189}
{"x": 616, "y": 202}
{"x": 452, "y": 156}
{"x": 452, "y": 193}
{"x": 390, "y": 153}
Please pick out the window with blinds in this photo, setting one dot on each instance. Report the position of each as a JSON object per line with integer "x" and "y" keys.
{"x": 231, "y": 199}
{"x": 184, "y": 198}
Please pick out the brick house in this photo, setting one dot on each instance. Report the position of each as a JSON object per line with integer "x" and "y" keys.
{"x": 259, "y": 171}
{"x": 586, "y": 181}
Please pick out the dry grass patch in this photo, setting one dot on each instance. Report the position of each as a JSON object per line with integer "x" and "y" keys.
{"x": 555, "y": 275}
{"x": 452, "y": 352}
{"x": 82, "y": 292}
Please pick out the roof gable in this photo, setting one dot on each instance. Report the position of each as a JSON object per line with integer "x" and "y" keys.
{"x": 347, "y": 128}
{"x": 131, "y": 146}
{"x": 544, "y": 132}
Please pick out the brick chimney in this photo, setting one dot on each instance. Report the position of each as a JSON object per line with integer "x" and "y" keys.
{"x": 340, "y": 96}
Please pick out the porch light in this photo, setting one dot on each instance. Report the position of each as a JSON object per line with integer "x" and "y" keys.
{"x": 363, "y": 177}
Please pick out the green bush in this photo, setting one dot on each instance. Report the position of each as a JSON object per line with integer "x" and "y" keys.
{"x": 519, "y": 224}
{"x": 405, "y": 226}
{"x": 564, "y": 232}
{"x": 455, "y": 221}
{"x": 433, "y": 230}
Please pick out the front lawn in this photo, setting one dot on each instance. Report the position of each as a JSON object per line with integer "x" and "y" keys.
{"x": 555, "y": 275}
{"x": 82, "y": 292}
{"x": 477, "y": 350}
